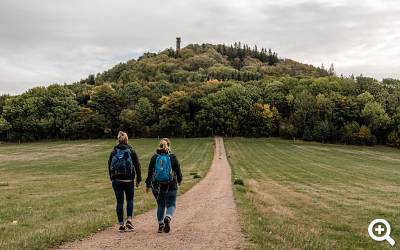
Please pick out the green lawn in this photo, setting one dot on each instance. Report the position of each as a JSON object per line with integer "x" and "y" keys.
{"x": 58, "y": 191}
{"x": 314, "y": 196}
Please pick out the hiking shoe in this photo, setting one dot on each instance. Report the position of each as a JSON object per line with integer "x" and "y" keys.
{"x": 122, "y": 228}
{"x": 129, "y": 225}
{"x": 167, "y": 227}
{"x": 160, "y": 228}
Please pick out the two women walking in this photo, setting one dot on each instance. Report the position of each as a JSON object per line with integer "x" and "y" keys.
{"x": 164, "y": 175}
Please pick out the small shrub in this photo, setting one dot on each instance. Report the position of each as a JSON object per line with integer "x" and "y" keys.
{"x": 238, "y": 181}
{"x": 307, "y": 134}
{"x": 349, "y": 132}
{"x": 3, "y": 184}
{"x": 393, "y": 139}
{"x": 287, "y": 130}
{"x": 192, "y": 173}
{"x": 107, "y": 131}
{"x": 365, "y": 137}
{"x": 196, "y": 176}
{"x": 241, "y": 189}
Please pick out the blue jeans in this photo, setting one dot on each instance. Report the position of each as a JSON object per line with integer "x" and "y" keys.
{"x": 166, "y": 203}
{"x": 120, "y": 188}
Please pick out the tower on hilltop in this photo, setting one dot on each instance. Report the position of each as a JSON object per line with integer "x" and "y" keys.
{"x": 178, "y": 45}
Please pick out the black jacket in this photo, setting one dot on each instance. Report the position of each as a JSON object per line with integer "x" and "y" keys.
{"x": 175, "y": 168}
{"x": 135, "y": 162}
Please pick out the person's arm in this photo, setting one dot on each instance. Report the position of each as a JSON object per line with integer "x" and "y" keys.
{"x": 109, "y": 163}
{"x": 177, "y": 168}
{"x": 150, "y": 171}
{"x": 136, "y": 164}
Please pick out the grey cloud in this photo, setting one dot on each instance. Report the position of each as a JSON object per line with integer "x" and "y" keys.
{"x": 63, "y": 41}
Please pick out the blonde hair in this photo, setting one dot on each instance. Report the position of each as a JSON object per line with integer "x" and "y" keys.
{"x": 165, "y": 144}
{"x": 122, "y": 137}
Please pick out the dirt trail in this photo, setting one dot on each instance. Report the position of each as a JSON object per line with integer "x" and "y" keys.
{"x": 205, "y": 218}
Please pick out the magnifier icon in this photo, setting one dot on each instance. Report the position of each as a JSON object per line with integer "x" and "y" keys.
{"x": 379, "y": 230}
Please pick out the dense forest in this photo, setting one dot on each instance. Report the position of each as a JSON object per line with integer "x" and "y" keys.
{"x": 207, "y": 89}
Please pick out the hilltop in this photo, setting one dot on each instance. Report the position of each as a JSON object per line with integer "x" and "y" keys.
{"x": 198, "y": 63}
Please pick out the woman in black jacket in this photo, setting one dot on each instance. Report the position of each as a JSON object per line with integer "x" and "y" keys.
{"x": 122, "y": 166}
{"x": 164, "y": 192}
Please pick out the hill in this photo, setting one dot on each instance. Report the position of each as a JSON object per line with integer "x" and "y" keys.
{"x": 205, "y": 89}
{"x": 198, "y": 63}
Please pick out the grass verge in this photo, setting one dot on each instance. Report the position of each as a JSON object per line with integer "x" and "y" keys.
{"x": 306, "y": 195}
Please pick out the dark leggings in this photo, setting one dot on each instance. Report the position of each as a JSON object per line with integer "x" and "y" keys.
{"x": 121, "y": 187}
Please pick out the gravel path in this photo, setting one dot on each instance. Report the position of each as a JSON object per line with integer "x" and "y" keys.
{"x": 205, "y": 218}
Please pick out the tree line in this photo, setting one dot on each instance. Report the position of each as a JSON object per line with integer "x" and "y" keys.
{"x": 205, "y": 90}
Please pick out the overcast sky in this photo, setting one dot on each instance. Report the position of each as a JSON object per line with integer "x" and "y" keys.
{"x": 57, "y": 41}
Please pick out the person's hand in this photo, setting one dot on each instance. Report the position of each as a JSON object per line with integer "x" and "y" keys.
{"x": 146, "y": 189}
{"x": 137, "y": 184}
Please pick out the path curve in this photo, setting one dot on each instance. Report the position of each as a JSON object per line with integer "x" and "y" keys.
{"x": 205, "y": 218}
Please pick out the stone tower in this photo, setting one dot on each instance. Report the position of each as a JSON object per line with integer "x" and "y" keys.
{"x": 178, "y": 45}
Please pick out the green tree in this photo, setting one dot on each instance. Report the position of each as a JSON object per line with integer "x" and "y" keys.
{"x": 349, "y": 132}
{"x": 227, "y": 111}
{"x": 375, "y": 115}
{"x": 365, "y": 98}
{"x": 5, "y": 126}
{"x": 104, "y": 100}
{"x": 129, "y": 93}
{"x": 323, "y": 131}
{"x": 129, "y": 121}
{"x": 365, "y": 137}
{"x": 27, "y": 114}
{"x": 91, "y": 124}
{"x": 199, "y": 61}
{"x": 287, "y": 130}
{"x": 393, "y": 139}
{"x": 61, "y": 106}
{"x": 304, "y": 106}
{"x": 174, "y": 112}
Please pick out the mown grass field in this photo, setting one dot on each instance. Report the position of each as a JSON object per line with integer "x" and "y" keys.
{"x": 52, "y": 192}
{"x": 314, "y": 196}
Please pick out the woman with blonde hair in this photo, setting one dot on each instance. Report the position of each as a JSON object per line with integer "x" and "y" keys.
{"x": 163, "y": 177}
{"x": 123, "y": 166}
